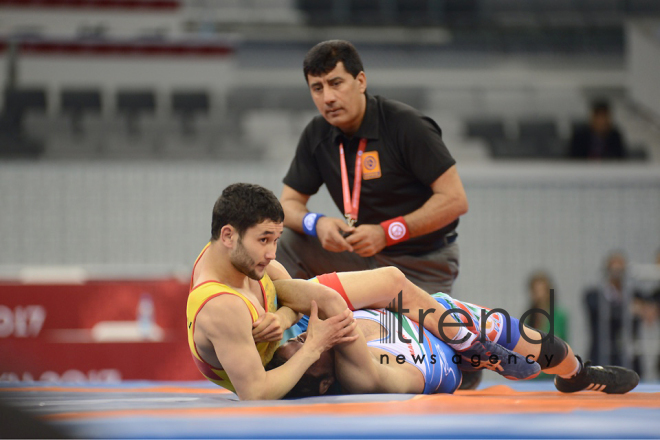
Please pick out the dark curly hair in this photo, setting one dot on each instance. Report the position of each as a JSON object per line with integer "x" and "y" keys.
{"x": 244, "y": 205}
{"x": 324, "y": 57}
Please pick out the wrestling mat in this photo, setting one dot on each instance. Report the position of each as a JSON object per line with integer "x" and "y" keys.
{"x": 202, "y": 410}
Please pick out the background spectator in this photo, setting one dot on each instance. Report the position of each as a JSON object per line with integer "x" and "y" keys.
{"x": 599, "y": 139}
{"x": 539, "y": 286}
{"x": 539, "y": 298}
{"x": 614, "y": 310}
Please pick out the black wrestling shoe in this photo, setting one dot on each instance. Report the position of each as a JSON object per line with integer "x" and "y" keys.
{"x": 608, "y": 379}
{"x": 509, "y": 364}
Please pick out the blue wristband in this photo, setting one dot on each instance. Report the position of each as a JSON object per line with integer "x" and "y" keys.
{"x": 309, "y": 223}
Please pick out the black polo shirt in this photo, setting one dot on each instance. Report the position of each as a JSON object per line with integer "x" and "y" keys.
{"x": 410, "y": 154}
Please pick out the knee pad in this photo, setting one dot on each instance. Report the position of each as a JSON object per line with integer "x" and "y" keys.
{"x": 553, "y": 351}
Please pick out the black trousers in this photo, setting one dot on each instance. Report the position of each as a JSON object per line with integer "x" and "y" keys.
{"x": 304, "y": 257}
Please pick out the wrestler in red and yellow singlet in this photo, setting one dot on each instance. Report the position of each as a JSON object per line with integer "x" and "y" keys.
{"x": 203, "y": 292}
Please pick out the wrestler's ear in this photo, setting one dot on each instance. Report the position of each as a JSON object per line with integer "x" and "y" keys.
{"x": 226, "y": 234}
{"x": 325, "y": 384}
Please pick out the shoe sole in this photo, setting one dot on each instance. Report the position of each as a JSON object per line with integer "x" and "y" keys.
{"x": 624, "y": 391}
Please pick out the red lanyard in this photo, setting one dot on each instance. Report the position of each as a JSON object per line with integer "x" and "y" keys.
{"x": 351, "y": 205}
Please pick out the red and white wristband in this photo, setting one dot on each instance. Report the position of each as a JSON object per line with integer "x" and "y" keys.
{"x": 396, "y": 230}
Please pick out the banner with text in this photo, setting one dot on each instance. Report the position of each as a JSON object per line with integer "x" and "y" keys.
{"x": 100, "y": 331}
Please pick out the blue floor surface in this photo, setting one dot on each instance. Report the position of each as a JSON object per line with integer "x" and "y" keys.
{"x": 196, "y": 410}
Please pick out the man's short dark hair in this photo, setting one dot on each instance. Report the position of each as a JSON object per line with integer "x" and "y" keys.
{"x": 324, "y": 57}
{"x": 600, "y": 106}
{"x": 244, "y": 205}
{"x": 307, "y": 386}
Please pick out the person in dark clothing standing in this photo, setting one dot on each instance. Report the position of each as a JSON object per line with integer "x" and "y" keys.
{"x": 614, "y": 308}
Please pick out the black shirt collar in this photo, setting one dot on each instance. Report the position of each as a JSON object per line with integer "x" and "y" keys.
{"x": 369, "y": 127}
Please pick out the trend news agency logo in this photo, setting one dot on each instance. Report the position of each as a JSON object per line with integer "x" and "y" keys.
{"x": 390, "y": 320}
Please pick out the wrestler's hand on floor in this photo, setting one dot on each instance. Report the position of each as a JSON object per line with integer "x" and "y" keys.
{"x": 267, "y": 328}
{"x": 325, "y": 334}
{"x": 329, "y": 231}
{"x": 367, "y": 240}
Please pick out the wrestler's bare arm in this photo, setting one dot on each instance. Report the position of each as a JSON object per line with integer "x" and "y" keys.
{"x": 356, "y": 368}
{"x": 359, "y": 370}
{"x": 226, "y": 323}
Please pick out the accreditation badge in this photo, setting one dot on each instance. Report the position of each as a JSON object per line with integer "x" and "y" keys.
{"x": 370, "y": 165}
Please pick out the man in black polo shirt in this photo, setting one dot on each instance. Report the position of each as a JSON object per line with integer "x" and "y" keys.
{"x": 386, "y": 168}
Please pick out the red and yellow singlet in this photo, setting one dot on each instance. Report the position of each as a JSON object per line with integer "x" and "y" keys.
{"x": 204, "y": 292}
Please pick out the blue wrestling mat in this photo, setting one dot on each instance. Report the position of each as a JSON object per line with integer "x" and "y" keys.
{"x": 202, "y": 410}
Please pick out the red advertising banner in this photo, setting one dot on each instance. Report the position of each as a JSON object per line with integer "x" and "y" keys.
{"x": 100, "y": 331}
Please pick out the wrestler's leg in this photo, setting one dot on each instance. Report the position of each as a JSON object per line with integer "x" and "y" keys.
{"x": 554, "y": 355}
{"x": 299, "y": 294}
{"x": 377, "y": 288}
{"x": 571, "y": 374}
{"x": 365, "y": 289}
